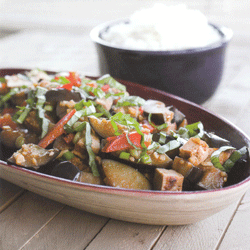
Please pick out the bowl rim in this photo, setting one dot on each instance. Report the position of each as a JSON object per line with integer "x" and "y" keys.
{"x": 123, "y": 191}
{"x": 225, "y": 32}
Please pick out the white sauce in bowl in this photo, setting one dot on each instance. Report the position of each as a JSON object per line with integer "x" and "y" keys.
{"x": 163, "y": 28}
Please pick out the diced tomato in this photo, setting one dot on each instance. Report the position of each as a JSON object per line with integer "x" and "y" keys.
{"x": 6, "y": 120}
{"x": 120, "y": 142}
{"x": 105, "y": 88}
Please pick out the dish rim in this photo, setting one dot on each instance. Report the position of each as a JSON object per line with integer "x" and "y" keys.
{"x": 105, "y": 189}
{"x": 225, "y": 32}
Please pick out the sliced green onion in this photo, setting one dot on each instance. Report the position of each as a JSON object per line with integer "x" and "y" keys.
{"x": 48, "y": 107}
{"x": 88, "y": 142}
{"x": 78, "y": 114}
{"x": 77, "y": 137}
{"x": 215, "y": 157}
{"x": 67, "y": 156}
{"x": 124, "y": 155}
{"x": 146, "y": 159}
{"x": 23, "y": 114}
{"x": 159, "y": 127}
{"x": 235, "y": 156}
{"x": 79, "y": 126}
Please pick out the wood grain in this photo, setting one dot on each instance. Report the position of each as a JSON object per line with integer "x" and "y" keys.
{"x": 70, "y": 229}
{"x": 24, "y": 218}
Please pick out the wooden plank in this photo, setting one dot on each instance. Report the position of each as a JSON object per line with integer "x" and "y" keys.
{"x": 124, "y": 235}
{"x": 237, "y": 235}
{"x": 24, "y": 218}
{"x": 8, "y": 193}
{"x": 203, "y": 235}
{"x": 70, "y": 229}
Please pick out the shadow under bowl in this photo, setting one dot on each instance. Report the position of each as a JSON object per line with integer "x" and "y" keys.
{"x": 193, "y": 74}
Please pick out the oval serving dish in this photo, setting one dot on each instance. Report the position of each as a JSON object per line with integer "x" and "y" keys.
{"x": 148, "y": 207}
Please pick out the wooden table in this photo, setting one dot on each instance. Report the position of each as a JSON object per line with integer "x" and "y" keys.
{"x": 29, "y": 221}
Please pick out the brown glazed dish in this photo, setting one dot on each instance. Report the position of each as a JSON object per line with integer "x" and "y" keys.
{"x": 141, "y": 206}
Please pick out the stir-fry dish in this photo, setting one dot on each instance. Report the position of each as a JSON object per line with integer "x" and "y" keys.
{"x": 92, "y": 131}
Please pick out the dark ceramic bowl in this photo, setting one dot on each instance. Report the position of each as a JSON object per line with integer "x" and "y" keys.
{"x": 193, "y": 74}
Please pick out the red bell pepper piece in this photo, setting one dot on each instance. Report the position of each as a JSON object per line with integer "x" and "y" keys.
{"x": 56, "y": 131}
{"x": 67, "y": 86}
{"x": 74, "y": 79}
{"x": 105, "y": 88}
{"x": 120, "y": 142}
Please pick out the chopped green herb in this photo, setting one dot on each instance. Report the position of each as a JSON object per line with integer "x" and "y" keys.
{"x": 107, "y": 79}
{"x": 215, "y": 157}
{"x": 235, "y": 156}
{"x": 6, "y": 97}
{"x": 88, "y": 143}
{"x": 130, "y": 101}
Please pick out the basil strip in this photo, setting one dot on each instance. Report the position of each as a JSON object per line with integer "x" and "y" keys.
{"x": 40, "y": 95}
{"x": 103, "y": 111}
{"x": 130, "y": 101}
{"x": 107, "y": 79}
{"x": 78, "y": 114}
{"x": 88, "y": 142}
{"x": 6, "y": 97}
{"x": 235, "y": 156}
{"x": 215, "y": 157}
{"x": 159, "y": 127}
{"x": 168, "y": 147}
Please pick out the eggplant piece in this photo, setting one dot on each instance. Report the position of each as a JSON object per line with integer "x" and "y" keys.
{"x": 212, "y": 178}
{"x": 191, "y": 173}
{"x": 13, "y": 138}
{"x": 167, "y": 180}
{"x": 103, "y": 127}
{"x": 156, "y": 160}
{"x": 87, "y": 177}
{"x": 56, "y": 95}
{"x": 33, "y": 156}
{"x": 178, "y": 115}
{"x": 214, "y": 141}
{"x": 121, "y": 175}
{"x": 66, "y": 170}
{"x": 160, "y": 113}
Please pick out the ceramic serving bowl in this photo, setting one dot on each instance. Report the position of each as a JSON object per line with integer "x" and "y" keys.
{"x": 148, "y": 207}
{"x": 193, "y": 74}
